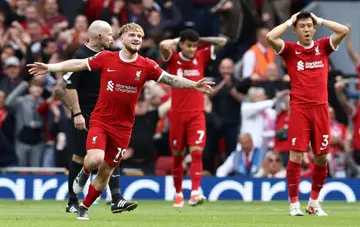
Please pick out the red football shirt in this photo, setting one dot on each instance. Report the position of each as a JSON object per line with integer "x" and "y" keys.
{"x": 356, "y": 133}
{"x": 120, "y": 86}
{"x": 188, "y": 100}
{"x": 308, "y": 69}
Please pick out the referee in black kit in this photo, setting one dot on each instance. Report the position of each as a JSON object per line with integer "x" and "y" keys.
{"x": 82, "y": 91}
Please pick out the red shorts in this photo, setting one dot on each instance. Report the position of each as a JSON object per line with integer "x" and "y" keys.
{"x": 109, "y": 139}
{"x": 309, "y": 124}
{"x": 187, "y": 129}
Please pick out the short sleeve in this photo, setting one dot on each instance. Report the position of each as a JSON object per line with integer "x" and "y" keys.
{"x": 285, "y": 51}
{"x": 327, "y": 45}
{"x": 98, "y": 60}
{"x": 207, "y": 54}
{"x": 154, "y": 71}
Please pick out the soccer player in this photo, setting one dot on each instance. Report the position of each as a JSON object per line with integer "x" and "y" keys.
{"x": 123, "y": 74}
{"x": 82, "y": 93}
{"x": 187, "y": 118}
{"x": 307, "y": 62}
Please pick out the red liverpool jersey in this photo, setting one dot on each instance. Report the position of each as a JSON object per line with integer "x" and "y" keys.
{"x": 308, "y": 69}
{"x": 120, "y": 86}
{"x": 186, "y": 100}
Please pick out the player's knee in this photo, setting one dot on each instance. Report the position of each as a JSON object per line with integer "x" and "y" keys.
{"x": 296, "y": 156}
{"x": 320, "y": 159}
{"x": 95, "y": 157}
{"x": 196, "y": 156}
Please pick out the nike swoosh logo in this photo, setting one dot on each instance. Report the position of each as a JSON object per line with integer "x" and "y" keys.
{"x": 297, "y": 52}
{"x": 322, "y": 148}
{"x": 111, "y": 70}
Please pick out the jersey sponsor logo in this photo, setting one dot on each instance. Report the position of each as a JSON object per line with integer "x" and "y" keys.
{"x": 126, "y": 88}
{"x": 317, "y": 51}
{"x": 309, "y": 65}
{"x": 111, "y": 70}
{"x": 110, "y": 86}
{"x": 138, "y": 74}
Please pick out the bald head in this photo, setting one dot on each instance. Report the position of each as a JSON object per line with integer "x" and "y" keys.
{"x": 245, "y": 141}
{"x": 98, "y": 27}
{"x": 226, "y": 67}
{"x": 272, "y": 72}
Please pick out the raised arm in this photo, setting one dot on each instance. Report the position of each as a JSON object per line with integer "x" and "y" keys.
{"x": 349, "y": 109}
{"x": 166, "y": 47}
{"x": 350, "y": 48}
{"x": 218, "y": 42}
{"x": 73, "y": 65}
{"x": 181, "y": 82}
{"x": 273, "y": 37}
{"x": 340, "y": 30}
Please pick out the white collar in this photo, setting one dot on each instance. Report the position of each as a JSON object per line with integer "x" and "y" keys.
{"x": 183, "y": 57}
{"x": 261, "y": 47}
{"x": 127, "y": 60}
{"x": 306, "y": 47}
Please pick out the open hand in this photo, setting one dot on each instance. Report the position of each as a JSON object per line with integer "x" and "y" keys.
{"x": 204, "y": 86}
{"x": 38, "y": 68}
{"x": 294, "y": 17}
{"x": 79, "y": 122}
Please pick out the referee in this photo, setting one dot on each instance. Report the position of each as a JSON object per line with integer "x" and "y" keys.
{"x": 82, "y": 91}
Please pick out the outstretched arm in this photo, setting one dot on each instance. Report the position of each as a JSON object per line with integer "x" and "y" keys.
{"x": 340, "y": 30}
{"x": 181, "y": 82}
{"x": 73, "y": 65}
{"x": 273, "y": 37}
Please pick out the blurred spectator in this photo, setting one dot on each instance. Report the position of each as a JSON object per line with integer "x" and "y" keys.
{"x": 272, "y": 166}
{"x": 29, "y": 124}
{"x": 258, "y": 117}
{"x": 81, "y": 26}
{"x": 32, "y": 14}
{"x": 245, "y": 161}
{"x": 281, "y": 128}
{"x": 355, "y": 57}
{"x": 257, "y": 58}
{"x": 114, "y": 10}
{"x": 12, "y": 75}
{"x": 55, "y": 21}
{"x": 336, "y": 157}
{"x": 226, "y": 104}
{"x": 275, "y": 12}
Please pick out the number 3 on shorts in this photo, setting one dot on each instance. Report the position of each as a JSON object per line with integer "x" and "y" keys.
{"x": 120, "y": 152}
{"x": 201, "y": 136}
{"x": 326, "y": 141}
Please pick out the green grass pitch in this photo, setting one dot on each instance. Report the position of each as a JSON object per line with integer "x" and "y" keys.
{"x": 160, "y": 213}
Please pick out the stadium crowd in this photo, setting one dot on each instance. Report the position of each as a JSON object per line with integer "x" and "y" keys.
{"x": 246, "y": 115}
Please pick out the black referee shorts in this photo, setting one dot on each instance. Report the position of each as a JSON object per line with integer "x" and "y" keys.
{"x": 80, "y": 137}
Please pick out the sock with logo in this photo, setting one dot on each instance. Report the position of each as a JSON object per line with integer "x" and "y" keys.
{"x": 91, "y": 196}
{"x": 318, "y": 179}
{"x": 196, "y": 169}
{"x": 178, "y": 172}
{"x": 293, "y": 179}
{"x": 114, "y": 185}
{"x": 75, "y": 168}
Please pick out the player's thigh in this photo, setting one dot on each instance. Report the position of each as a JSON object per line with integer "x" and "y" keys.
{"x": 196, "y": 131}
{"x": 116, "y": 149}
{"x": 96, "y": 142}
{"x": 177, "y": 133}
{"x": 320, "y": 136}
{"x": 299, "y": 130}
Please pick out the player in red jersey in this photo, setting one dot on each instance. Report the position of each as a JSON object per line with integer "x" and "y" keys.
{"x": 187, "y": 119}
{"x": 123, "y": 74}
{"x": 307, "y": 62}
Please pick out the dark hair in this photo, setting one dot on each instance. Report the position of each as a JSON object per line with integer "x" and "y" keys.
{"x": 304, "y": 15}
{"x": 46, "y": 41}
{"x": 189, "y": 34}
{"x": 261, "y": 28}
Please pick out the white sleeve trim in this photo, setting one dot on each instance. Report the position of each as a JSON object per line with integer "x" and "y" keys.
{"x": 161, "y": 76}
{"x": 282, "y": 48}
{"x": 87, "y": 64}
{"x": 168, "y": 58}
{"x": 332, "y": 45}
{"x": 212, "y": 52}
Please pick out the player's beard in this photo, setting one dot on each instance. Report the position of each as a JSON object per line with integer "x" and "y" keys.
{"x": 132, "y": 49}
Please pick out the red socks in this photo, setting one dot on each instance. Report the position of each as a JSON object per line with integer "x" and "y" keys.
{"x": 196, "y": 169}
{"x": 92, "y": 195}
{"x": 86, "y": 171}
{"x": 178, "y": 172}
{"x": 293, "y": 180}
{"x": 318, "y": 179}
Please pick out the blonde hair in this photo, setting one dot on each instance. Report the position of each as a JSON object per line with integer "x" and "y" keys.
{"x": 131, "y": 27}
